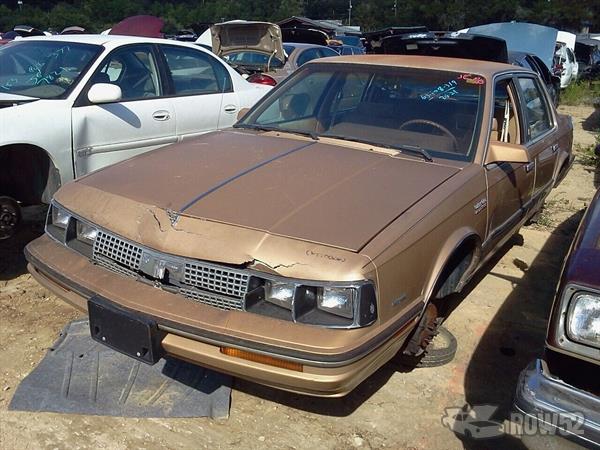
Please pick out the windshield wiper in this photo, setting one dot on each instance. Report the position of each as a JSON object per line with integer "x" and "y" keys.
{"x": 249, "y": 126}
{"x": 402, "y": 148}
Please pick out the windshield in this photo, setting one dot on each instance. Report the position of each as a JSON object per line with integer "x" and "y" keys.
{"x": 252, "y": 59}
{"x": 433, "y": 110}
{"x": 43, "y": 69}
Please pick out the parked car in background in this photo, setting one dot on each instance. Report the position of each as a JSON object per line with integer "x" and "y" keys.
{"x": 565, "y": 65}
{"x": 530, "y": 38}
{"x": 534, "y": 63}
{"x": 257, "y": 50}
{"x": 346, "y": 50}
{"x": 306, "y": 246}
{"x": 70, "y": 105}
{"x": 566, "y": 380}
{"x": 587, "y": 52}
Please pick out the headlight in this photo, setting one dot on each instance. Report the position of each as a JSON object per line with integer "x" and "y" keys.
{"x": 583, "y": 319}
{"x": 338, "y": 301}
{"x": 86, "y": 232}
{"x": 57, "y": 222}
{"x": 60, "y": 218}
{"x": 281, "y": 294}
{"x": 335, "y": 305}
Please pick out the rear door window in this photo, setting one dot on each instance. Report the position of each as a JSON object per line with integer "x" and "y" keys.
{"x": 537, "y": 114}
{"x": 195, "y": 72}
{"x": 308, "y": 55}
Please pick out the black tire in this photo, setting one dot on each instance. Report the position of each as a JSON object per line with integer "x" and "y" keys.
{"x": 440, "y": 351}
{"x": 10, "y": 216}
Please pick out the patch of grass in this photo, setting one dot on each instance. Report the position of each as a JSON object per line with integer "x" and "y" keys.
{"x": 580, "y": 93}
{"x": 586, "y": 154}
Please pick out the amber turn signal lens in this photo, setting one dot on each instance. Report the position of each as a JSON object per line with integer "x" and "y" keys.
{"x": 255, "y": 357}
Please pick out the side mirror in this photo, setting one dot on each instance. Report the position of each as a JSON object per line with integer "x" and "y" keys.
{"x": 499, "y": 152}
{"x": 242, "y": 112}
{"x": 104, "y": 93}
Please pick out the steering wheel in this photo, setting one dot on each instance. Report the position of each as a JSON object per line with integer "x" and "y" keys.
{"x": 433, "y": 124}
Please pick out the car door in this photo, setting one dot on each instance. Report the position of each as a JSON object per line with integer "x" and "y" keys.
{"x": 201, "y": 90}
{"x": 510, "y": 185}
{"x": 142, "y": 120}
{"x": 574, "y": 64}
{"x": 539, "y": 132}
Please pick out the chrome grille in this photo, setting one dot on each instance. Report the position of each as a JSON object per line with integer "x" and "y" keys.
{"x": 208, "y": 283}
{"x": 216, "y": 279}
{"x": 111, "y": 265}
{"x": 117, "y": 250}
{"x": 217, "y": 301}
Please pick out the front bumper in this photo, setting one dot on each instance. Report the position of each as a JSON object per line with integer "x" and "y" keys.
{"x": 542, "y": 397}
{"x": 197, "y": 333}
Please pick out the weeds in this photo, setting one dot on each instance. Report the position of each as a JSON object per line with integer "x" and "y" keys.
{"x": 580, "y": 93}
{"x": 586, "y": 154}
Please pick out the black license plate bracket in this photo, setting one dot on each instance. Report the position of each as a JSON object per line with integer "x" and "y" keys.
{"x": 132, "y": 334}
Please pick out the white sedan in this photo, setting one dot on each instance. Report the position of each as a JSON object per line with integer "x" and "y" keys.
{"x": 72, "y": 104}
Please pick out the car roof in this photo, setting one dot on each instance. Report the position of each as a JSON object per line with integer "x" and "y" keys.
{"x": 105, "y": 39}
{"x": 301, "y": 45}
{"x": 484, "y": 68}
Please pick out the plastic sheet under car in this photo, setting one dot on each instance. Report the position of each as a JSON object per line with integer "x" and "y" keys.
{"x": 80, "y": 376}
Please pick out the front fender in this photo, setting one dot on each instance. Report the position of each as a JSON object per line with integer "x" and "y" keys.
{"x": 453, "y": 243}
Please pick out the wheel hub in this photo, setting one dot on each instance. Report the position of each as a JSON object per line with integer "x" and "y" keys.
{"x": 10, "y": 216}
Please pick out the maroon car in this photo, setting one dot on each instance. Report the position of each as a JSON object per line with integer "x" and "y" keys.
{"x": 562, "y": 389}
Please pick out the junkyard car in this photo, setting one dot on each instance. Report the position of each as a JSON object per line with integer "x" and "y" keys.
{"x": 566, "y": 380}
{"x": 73, "y": 104}
{"x": 305, "y": 247}
{"x": 257, "y": 49}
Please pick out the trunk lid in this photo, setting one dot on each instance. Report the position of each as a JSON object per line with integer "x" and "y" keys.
{"x": 236, "y": 36}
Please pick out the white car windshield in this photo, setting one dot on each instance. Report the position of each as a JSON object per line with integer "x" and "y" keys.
{"x": 44, "y": 69}
{"x": 422, "y": 109}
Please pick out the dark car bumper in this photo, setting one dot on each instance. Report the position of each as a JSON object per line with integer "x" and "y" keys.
{"x": 565, "y": 409}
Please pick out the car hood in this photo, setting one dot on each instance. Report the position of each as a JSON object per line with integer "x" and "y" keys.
{"x": 235, "y": 36}
{"x": 298, "y": 188}
{"x": 7, "y": 100}
{"x": 523, "y": 37}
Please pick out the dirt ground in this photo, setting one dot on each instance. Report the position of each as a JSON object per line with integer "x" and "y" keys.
{"x": 499, "y": 324}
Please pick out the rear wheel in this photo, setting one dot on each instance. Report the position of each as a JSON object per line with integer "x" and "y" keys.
{"x": 10, "y": 216}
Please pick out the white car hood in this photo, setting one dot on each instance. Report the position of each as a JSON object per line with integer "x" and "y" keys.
{"x": 6, "y": 98}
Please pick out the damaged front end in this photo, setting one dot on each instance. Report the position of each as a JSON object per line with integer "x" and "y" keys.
{"x": 254, "y": 286}
{"x": 255, "y": 318}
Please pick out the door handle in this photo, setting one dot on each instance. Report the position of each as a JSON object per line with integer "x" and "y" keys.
{"x": 529, "y": 166}
{"x": 230, "y": 109}
{"x": 554, "y": 148}
{"x": 161, "y": 116}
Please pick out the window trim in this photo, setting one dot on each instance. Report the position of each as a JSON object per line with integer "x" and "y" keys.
{"x": 544, "y": 96}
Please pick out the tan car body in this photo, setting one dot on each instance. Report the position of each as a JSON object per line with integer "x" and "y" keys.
{"x": 355, "y": 212}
